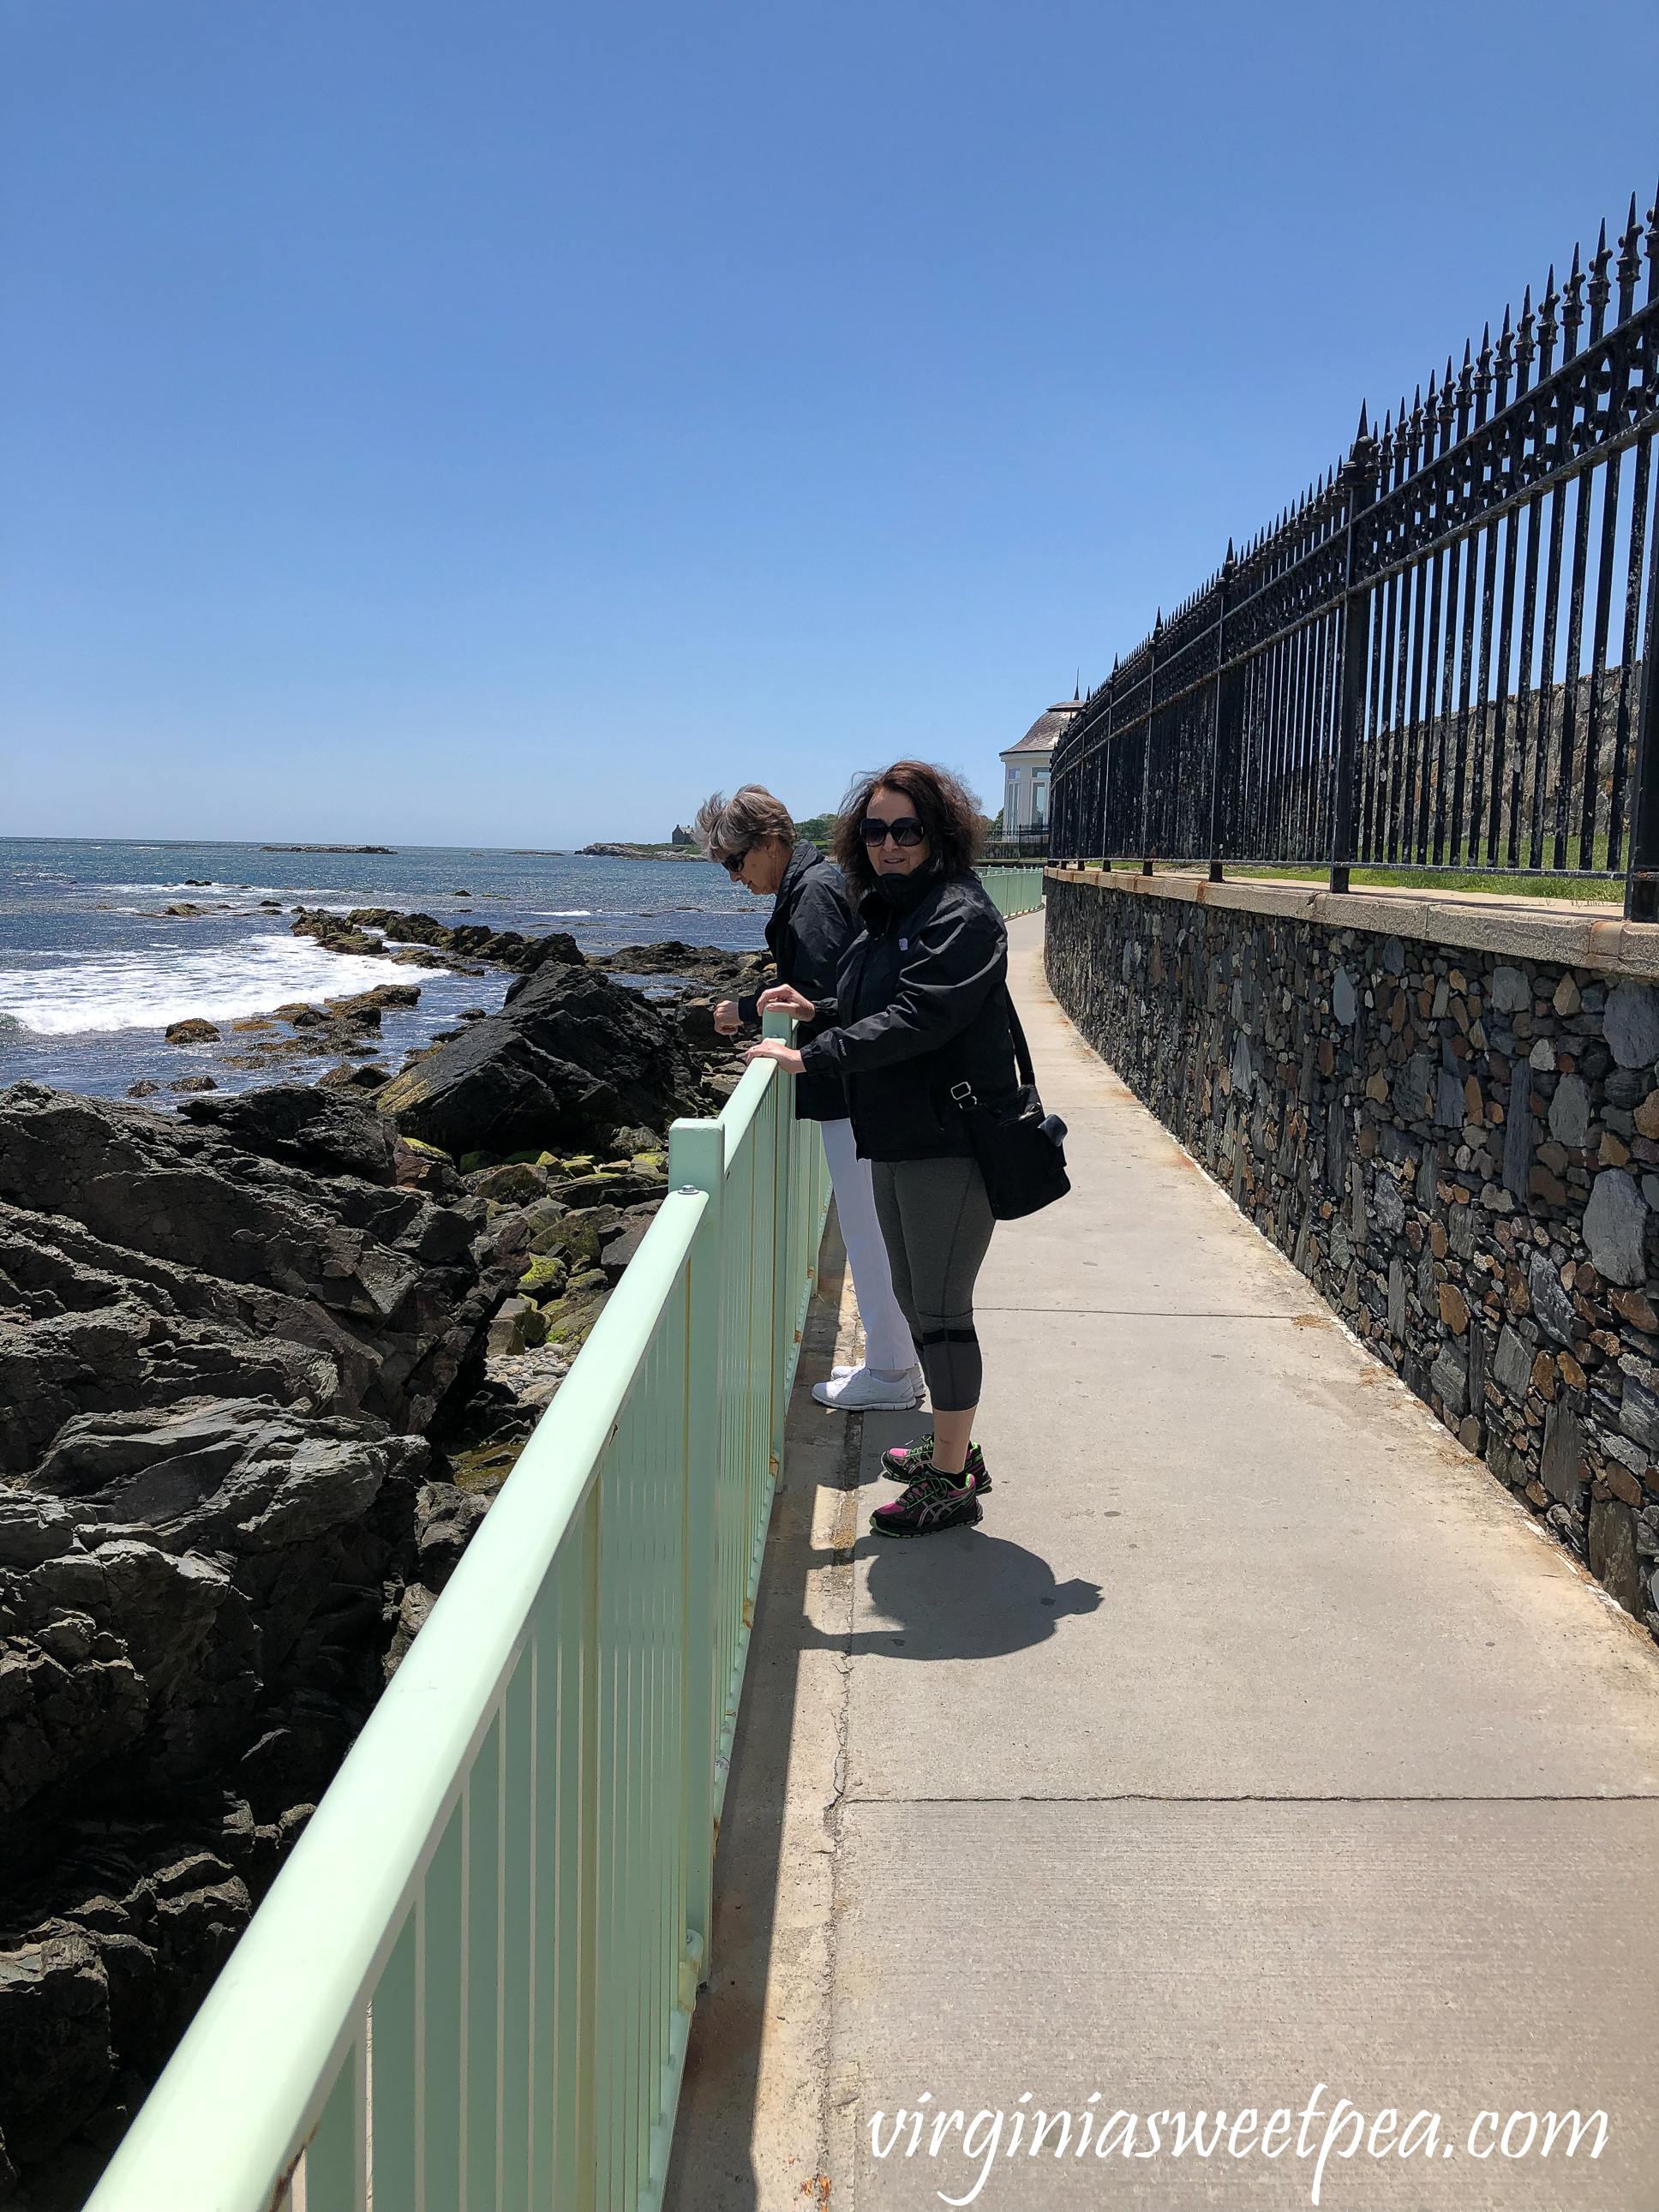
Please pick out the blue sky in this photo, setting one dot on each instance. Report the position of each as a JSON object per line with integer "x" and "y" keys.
{"x": 501, "y": 422}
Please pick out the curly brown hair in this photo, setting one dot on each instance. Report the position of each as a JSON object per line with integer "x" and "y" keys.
{"x": 946, "y": 809}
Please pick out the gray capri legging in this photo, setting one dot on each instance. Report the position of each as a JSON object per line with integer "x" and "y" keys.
{"x": 936, "y": 1222}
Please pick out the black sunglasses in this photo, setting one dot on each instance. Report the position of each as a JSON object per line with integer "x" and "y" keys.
{"x": 907, "y": 830}
{"x": 734, "y": 867}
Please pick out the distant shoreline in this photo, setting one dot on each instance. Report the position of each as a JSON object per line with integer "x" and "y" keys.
{"x": 328, "y": 848}
{"x": 619, "y": 851}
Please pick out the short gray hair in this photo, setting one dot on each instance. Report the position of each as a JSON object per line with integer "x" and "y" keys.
{"x": 729, "y": 828}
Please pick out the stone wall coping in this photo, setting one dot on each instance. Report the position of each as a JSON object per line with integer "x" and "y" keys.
{"x": 1573, "y": 932}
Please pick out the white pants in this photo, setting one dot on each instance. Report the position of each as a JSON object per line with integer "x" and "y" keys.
{"x": 887, "y": 1340}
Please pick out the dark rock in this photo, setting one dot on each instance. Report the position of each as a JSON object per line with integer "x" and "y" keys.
{"x": 1449, "y": 1380}
{"x": 412, "y": 1613}
{"x": 55, "y": 2061}
{"x": 569, "y": 1060}
{"x": 334, "y": 934}
{"x": 507, "y": 948}
{"x": 1552, "y": 1304}
{"x": 143, "y": 1088}
{"x": 621, "y": 1250}
{"x": 1518, "y": 1136}
{"x": 445, "y": 1519}
{"x": 421, "y": 1167}
{"x": 1615, "y": 1224}
{"x": 708, "y": 963}
{"x": 296, "y": 1123}
{"x": 191, "y": 1032}
{"x": 515, "y": 1184}
{"x": 1562, "y": 1465}
{"x": 203, "y": 1543}
{"x": 193, "y": 1082}
{"x": 570, "y": 1318}
{"x": 1613, "y": 1557}
{"x": 159, "y": 1259}
{"x": 402, "y": 928}
{"x": 518, "y": 1325}
{"x": 1630, "y": 1022}
{"x": 365, "y": 1004}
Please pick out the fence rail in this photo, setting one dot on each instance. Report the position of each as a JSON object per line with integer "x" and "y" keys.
{"x": 1018, "y": 845}
{"x": 470, "y": 1988}
{"x": 1013, "y": 891}
{"x": 1440, "y": 658}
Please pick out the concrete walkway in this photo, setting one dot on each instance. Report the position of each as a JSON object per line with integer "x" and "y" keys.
{"x": 1254, "y": 1742}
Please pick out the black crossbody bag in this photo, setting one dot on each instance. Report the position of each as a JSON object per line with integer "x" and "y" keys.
{"x": 1020, "y": 1150}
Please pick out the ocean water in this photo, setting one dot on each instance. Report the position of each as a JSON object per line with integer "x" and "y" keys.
{"x": 91, "y": 971}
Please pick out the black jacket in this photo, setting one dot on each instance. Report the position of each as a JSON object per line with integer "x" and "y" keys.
{"x": 920, "y": 1004}
{"x": 811, "y": 927}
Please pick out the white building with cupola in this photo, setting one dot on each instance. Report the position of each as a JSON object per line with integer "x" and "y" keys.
{"x": 1025, "y": 769}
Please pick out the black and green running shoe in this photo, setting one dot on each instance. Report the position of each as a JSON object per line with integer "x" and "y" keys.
{"x": 932, "y": 1502}
{"x": 904, "y": 1463}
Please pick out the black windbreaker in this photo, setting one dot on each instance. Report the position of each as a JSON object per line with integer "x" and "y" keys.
{"x": 920, "y": 1004}
{"x": 809, "y": 927}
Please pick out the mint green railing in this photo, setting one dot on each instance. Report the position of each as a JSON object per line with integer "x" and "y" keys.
{"x": 1013, "y": 891}
{"x": 470, "y": 1988}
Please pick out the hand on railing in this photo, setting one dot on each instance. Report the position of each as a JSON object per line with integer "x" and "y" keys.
{"x": 781, "y": 998}
{"x": 774, "y": 1048}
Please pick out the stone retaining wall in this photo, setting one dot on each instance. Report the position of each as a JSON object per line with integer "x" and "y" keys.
{"x": 1453, "y": 1133}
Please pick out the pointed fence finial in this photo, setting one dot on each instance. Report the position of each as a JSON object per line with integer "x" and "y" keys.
{"x": 1573, "y": 309}
{"x": 1548, "y": 326}
{"x": 1630, "y": 261}
{"x": 1601, "y": 289}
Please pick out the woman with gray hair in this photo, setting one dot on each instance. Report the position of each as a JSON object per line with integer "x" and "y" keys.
{"x": 753, "y": 838}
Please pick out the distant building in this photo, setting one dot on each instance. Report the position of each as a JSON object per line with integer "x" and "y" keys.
{"x": 1025, "y": 769}
{"x": 681, "y": 837}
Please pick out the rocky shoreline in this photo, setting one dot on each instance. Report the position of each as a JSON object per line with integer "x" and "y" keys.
{"x": 265, "y": 1361}
{"x": 349, "y": 1031}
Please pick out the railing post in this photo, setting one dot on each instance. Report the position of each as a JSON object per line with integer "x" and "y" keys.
{"x": 783, "y": 1283}
{"x": 1642, "y": 875}
{"x": 1360, "y": 475}
{"x": 1146, "y": 756}
{"x": 696, "y": 1161}
{"x": 1220, "y": 738}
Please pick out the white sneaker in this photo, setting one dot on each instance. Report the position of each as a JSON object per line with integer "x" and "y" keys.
{"x": 917, "y": 1382}
{"x": 857, "y": 1391}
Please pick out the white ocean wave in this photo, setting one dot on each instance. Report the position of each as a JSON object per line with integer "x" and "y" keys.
{"x": 285, "y": 892}
{"x": 146, "y": 990}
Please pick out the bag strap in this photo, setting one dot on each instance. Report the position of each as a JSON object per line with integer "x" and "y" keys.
{"x": 961, "y": 1094}
{"x": 1021, "y": 1051}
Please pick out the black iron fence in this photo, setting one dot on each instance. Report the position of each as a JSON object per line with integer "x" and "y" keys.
{"x": 1017, "y": 845}
{"x": 1442, "y": 657}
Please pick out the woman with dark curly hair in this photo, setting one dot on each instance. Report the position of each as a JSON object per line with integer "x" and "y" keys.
{"x": 919, "y": 1006}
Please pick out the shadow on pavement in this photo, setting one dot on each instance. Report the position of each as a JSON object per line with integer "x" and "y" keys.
{"x": 962, "y": 1594}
